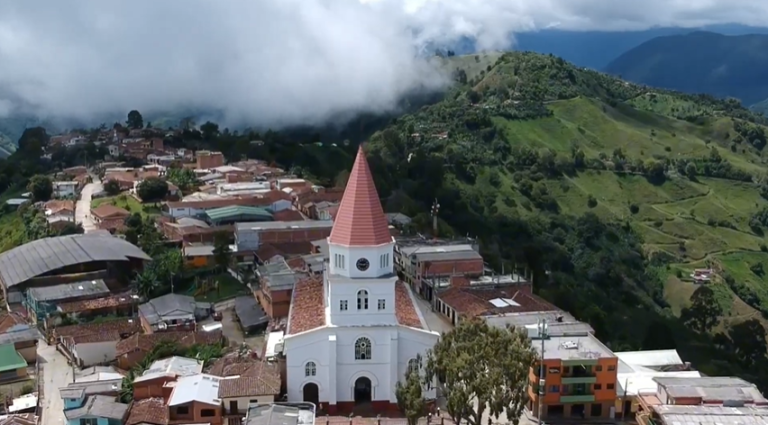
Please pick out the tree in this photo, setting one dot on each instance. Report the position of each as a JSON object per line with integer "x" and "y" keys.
{"x": 690, "y": 170}
{"x": 221, "y": 252}
{"x": 749, "y": 341}
{"x": 152, "y": 189}
{"x": 187, "y": 123}
{"x": 210, "y": 130}
{"x": 70, "y": 228}
{"x": 474, "y": 96}
{"x": 341, "y": 178}
{"x": 145, "y": 282}
{"x": 135, "y": 120}
{"x": 704, "y": 312}
{"x": 184, "y": 178}
{"x": 410, "y": 398}
{"x": 112, "y": 187}
{"x": 41, "y": 187}
{"x": 476, "y": 361}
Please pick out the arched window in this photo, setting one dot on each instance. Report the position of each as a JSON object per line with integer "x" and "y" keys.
{"x": 310, "y": 369}
{"x": 414, "y": 365}
{"x": 363, "y": 349}
{"x": 362, "y": 299}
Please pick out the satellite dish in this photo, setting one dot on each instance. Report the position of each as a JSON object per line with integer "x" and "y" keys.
{"x": 162, "y": 326}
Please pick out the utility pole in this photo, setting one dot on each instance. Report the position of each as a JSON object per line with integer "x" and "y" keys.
{"x": 542, "y": 330}
{"x": 435, "y": 210}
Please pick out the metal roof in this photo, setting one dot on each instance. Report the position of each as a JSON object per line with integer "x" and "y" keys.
{"x": 249, "y": 312}
{"x": 45, "y": 255}
{"x": 280, "y": 414}
{"x": 69, "y": 290}
{"x": 27, "y": 334}
{"x": 201, "y": 388}
{"x": 175, "y": 366}
{"x": 99, "y": 406}
{"x": 234, "y": 211}
{"x": 10, "y": 359}
{"x": 168, "y": 307}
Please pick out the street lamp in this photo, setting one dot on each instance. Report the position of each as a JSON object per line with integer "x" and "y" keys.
{"x": 542, "y": 333}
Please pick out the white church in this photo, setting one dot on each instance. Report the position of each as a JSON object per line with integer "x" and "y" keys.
{"x": 352, "y": 334}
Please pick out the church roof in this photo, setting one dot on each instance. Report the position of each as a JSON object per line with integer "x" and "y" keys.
{"x": 360, "y": 220}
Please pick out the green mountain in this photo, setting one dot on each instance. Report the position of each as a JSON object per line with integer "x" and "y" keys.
{"x": 611, "y": 192}
{"x": 700, "y": 62}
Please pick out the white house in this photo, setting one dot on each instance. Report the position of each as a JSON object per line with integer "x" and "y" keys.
{"x": 93, "y": 349}
{"x": 353, "y": 333}
{"x": 65, "y": 189}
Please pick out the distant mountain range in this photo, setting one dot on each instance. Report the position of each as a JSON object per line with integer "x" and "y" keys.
{"x": 700, "y": 62}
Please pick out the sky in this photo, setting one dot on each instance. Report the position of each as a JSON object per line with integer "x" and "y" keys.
{"x": 277, "y": 62}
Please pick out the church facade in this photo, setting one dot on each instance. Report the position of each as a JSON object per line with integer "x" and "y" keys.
{"x": 353, "y": 334}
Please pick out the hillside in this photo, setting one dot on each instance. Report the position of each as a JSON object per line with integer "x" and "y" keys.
{"x": 617, "y": 189}
{"x": 700, "y": 62}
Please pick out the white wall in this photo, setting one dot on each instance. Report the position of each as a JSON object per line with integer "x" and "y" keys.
{"x": 347, "y": 289}
{"x": 94, "y": 353}
{"x": 352, "y": 254}
{"x": 243, "y": 402}
{"x": 392, "y": 348}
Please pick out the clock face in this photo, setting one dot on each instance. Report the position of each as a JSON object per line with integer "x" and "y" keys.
{"x": 362, "y": 264}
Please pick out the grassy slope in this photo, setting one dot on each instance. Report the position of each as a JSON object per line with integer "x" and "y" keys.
{"x": 673, "y": 217}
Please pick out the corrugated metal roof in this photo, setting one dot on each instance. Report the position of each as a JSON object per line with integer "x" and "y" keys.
{"x": 234, "y": 211}
{"x": 201, "y": 388}
{"x": 651, "y": 358}
{"x": 44, "y": 255}
{"x": 10, "y": 359}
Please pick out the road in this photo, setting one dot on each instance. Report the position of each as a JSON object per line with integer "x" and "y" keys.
{"x": 57, "y": 374}
{"x": 83, "y": 207}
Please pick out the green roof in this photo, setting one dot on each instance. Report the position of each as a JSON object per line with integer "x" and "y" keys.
{"x": 236, "y": 211}
{"x": 10, "y": 359}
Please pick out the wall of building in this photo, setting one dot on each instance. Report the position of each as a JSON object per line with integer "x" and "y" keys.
{"x": 73, "y": 403}
{"x": 195, "y": 413}
{"x": 95, "y": 353}
{"x": 242, "y": 403}
{"x": 391, "y": 350}
{"x": 99, "y": 421}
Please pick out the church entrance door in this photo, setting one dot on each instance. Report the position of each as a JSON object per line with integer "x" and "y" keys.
{"x": 363, "y": 390}
{"x": 311, "y": 393}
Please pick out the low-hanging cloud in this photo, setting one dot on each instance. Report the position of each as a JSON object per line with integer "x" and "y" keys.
{"x": 277, "y": 62}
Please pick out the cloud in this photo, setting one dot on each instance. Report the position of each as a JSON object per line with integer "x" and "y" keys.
{"x": 276, "y": 61}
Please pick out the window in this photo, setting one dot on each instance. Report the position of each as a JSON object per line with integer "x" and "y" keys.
{"x": 554, "y": 389}
{"x": 598, "y": 386}
{"x": 207, "y": 413}
{"x": 363, "y": 349}
{"x": 611, "y": 368}
{"x": 310, "y": 369}
{"x": 382, "y": 304}
{"x": 338, "y": 261}
{"x": 343, "y": 305}
{"x": 598, "y": 368}
{"x": 182, "y": 410}
{"x": 383, "y": 261}
{"x": 414, "y": 365}
{"x": 610, "y": 386}
{"x": 233, "y": 406}
{"x": 362, "y": 299}
{"x": 566, "y": 370}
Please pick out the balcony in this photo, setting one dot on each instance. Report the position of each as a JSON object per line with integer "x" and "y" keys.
{"x": 568, "y": 380}
{"x": 577, "y": 398}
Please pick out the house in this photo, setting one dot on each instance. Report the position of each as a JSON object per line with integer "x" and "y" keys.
{"x": 97, "y": 374}
{"x": 76, "y": 394}
{"x": 135, "y": 348}
{"x": 60, "y": 211}
{"x": 276, "y": 283}
{"x": 281, "y": 414}
{"x": 250, "y": 236}
{"x": 207, "y": 159}
{"x": 236, "y": 214}
{"x": 14, "y": 204}
{"x": 152, "y": 383}
{"x": 274, "y": 201}
{"x": 66, "y": 189}
{"x": 172, "y": 312}
{"x": 14, "y": 330}
{"x": 108, "y": 212}
{"x": 13, "y": 367}
{"x": 198, "y": 255}
{"x": 195, "y": 400}
{"x": 261, "y": 387}
{"x": 40, "y": 302}
{"x": 112, "y": 305}
{"x": 250, "y": 315}
{"x": 150, "y": 411}
{"x": 580, "y": 373}
{"x": 97, "y": 410}
{"x": 92, "y": 349}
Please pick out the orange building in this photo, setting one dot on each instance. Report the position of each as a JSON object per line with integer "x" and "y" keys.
{"x": 207, "y": 160}
{"x": 579, "y": 377}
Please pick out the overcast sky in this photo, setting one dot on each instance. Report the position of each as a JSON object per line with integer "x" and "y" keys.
{"x": 277, "y": 61}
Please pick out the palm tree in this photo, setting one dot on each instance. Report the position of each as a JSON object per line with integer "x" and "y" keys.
{"x": 126, "y": 387}
{"x": 145, "y": 282}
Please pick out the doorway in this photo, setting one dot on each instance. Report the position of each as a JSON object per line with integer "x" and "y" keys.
{"x": 311, "y": 393}
{"x": 362, "y": 390}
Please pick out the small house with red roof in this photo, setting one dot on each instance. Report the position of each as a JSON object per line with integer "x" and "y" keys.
{"x": 353, "y": 332}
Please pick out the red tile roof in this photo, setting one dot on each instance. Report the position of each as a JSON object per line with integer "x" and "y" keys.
{"x": 9, "y": 320}
{"x": 95, "y": 304}
{"x": 456, "y": 267}
{"x": 404, "y": 308}
{"x": 109, "y": 211}
{"x": 307, "y": 310}
{"x": 360, "y": 220}
{"x": 473, "y": 302}
{"x": 98, "y": 337}
{"x": 150, "y": 410}
{"x": 145, "y": 342}
{"x": 287, "y": 215}
{"x": 122, "y": 326}
{"x": 262, "y": 379}
{"x": 285, "y": 249}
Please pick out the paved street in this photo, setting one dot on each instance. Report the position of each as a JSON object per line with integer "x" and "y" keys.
{"x": 435, "y": 322}
{"x": 56, "y": 373}
{"x": 83, "y": 207}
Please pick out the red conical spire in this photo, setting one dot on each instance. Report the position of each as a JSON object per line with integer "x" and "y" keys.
{"x": 360, "y": 220}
